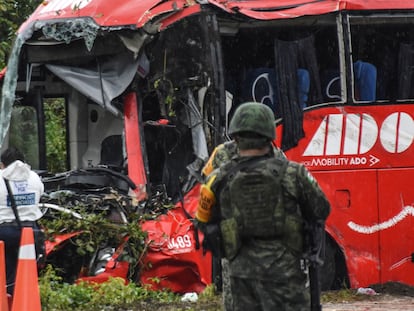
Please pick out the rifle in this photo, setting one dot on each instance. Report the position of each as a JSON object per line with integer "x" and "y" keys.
{"x": 315, "y": 254}
{"x": 212, "y": 238}
{"x": 212, "y": 243}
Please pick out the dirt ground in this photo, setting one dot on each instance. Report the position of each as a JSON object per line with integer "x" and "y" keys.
{"x": 394, "y": 288}
{"x": 380, "y": 303}
{"x": 389, "y": 297}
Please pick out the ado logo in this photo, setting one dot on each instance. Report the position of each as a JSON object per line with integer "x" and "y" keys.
{"x": 356, "y": 134}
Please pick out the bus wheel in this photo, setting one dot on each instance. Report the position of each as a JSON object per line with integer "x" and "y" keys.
{"x": 333, "y": 273}
{"x": 327, "y": 270}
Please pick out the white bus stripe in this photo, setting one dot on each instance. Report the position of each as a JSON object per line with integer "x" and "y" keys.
{"x": 369, "y": 133}
{"x": 352, "y": 131}
{"x": 407, "y": 210}
{"x": 317, "y": 144}
{"x": 334, "y": 137}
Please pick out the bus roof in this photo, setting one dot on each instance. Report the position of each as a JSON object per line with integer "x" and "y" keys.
{"x": 139, "y": 12}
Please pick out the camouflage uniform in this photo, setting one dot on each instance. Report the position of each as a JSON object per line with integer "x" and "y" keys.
{"x": 264, "y": 261}
{"x": 221, "y": 155}
{"x": 224, "y": 152}
{"x": 266, "y": 273}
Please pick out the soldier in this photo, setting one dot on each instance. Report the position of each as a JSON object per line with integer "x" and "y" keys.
{"x": 222, "y": 154}
{"x": 260, "y": 202}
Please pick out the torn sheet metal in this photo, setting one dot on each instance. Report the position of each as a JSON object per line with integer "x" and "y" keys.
{"x": 172, "y": 236}
{"x": 196, "y": 126}
{"x": 139, "y": 13}
{"x": 109, "y": 13}
{"x": 269, "y": 9}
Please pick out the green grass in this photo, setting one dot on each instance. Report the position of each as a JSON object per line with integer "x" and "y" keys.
{"x": 111, "y": 295}
{"x": 116, "y": 295}
{"x": 342, "y": 295}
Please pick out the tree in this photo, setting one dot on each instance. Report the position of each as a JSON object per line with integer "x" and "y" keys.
{"x": 12, "y": 14}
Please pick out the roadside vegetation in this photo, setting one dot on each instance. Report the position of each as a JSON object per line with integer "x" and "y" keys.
{"x": 12, "y": 14}
{"x": 116, "y": 295}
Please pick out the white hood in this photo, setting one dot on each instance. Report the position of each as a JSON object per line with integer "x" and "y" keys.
{"x": 16, "y": 171}
{"x": 27, "y": 188}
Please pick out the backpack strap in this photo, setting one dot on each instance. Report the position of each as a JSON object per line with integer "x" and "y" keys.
{"x": 279, "y": 209}
{"x": 239, "y": 166}
{"x": 12, "y": 202}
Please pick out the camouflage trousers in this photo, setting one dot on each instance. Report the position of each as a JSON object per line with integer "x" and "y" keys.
{"x": 249, "y": 294}
{"x": 225, "y": 276}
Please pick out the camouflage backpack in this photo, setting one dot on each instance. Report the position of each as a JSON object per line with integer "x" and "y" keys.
{"x": 255, "y": 192}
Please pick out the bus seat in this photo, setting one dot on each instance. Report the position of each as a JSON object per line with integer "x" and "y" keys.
{"x": 365, "y": 79}
{"x": 112, "y": 151}
{"x": 331, "y": 84}
{"x": 260, "y": 86}
{"x": 303, "y": 87}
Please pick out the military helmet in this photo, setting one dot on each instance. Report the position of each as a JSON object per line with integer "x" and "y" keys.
{"x": 255, "y": 118}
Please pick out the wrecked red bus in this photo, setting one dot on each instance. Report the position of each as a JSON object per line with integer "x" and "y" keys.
{"x": 148, "y": 88}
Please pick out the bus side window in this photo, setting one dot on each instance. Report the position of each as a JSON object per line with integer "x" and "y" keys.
{"x": 380, "y": 45}
{"x": 327, "y": 49}
{"x": 365, "y": 82}
{"x": 406, "y": 71}
{"x": 293, "y": 57}
{"x": 331, "y": 85}
{"x": 261, "y": 86}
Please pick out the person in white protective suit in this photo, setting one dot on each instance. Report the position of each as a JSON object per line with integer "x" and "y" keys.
{"x": 19, "y": 207}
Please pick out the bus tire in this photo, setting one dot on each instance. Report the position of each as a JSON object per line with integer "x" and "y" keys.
{"x": 333, "y": 272}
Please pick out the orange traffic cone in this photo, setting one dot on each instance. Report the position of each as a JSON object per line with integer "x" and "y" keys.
{"x": 4, "y": 306}
{"x": 26, "y": 290}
